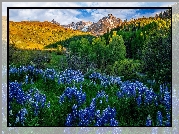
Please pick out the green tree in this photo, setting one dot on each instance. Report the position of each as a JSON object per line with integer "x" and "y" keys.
{"x": 127, "y": 68}
{"x": 117, "y": 48}
{"x": 85, "y": 48}
{"x": 157, "y": 55}
{"x": 75, "y": 47}
{"x": 99, "y": 53}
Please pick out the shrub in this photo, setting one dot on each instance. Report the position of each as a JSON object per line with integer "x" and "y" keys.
{"x": 127, "y": 68}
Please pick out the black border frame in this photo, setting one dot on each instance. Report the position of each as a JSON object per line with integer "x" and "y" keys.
{"x": 8, "y": 8}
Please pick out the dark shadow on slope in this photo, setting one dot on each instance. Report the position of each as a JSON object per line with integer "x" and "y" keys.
{"x": 65, "y": 43}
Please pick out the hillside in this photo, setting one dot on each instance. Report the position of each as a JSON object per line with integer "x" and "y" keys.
{"x": 37, "y": 35}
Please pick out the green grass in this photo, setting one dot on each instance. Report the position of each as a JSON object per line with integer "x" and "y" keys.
{"x": 127, "y": 110}
{"x": 128, "y": 114}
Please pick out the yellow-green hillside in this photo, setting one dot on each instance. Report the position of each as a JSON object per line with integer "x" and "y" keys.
{"x": 37, "y": 35}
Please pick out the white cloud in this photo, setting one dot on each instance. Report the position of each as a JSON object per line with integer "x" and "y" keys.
{"x": 113, "y": 4}
{"x": 66, "y": 16}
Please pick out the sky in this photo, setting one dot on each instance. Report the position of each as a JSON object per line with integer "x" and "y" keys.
{"x": 66, "y": 16}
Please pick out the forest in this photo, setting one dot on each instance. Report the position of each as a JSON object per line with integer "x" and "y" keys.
{"x": 63, "y": 77}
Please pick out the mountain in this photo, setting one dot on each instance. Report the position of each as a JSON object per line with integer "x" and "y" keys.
{"x": 104, "y": 25}
{"x": 83, "y": 26}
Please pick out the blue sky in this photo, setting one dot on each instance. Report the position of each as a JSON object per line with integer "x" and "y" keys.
{"x": 66, "y": 16}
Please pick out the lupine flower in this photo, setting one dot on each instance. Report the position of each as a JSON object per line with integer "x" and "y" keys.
{"x": 119, "y": 94}
{"x": 159, "y": 118}
{"x": 26, "y": 79}
{"x": 43, "y": 100}
{"x": 113, "y": 122}
{"x": 102, "y": 94}
{"x": 149, "y": 96}
{"x": 16, "y": 92}
{"x": 106, "y": 98}
{"x": 149, "y": 121}
{"x": 36, "y": 108}
{"x": 139, "y": 100}
{"x": 36, "y": 99}
{"x": 49, "y": 74}
{"x": 21, "y": 116}
{"x": 168, "y": 121}
{"x": 13, "y": 70}
{"x": 69, "y": 120}
{"x": 105, "y": 80}
{"x": 69, "y": 76}
{"x": 29, "y": 71}
{"x": 97, "y": 114}
{"x": 75, "y": 111}
{"x": 71, "y": 92}
{"x": 62, "y": 97}
{"x": 167, "y": 100}
{"x": 107, "y": 116}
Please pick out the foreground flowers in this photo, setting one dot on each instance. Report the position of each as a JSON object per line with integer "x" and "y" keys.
{"x": 90, "y": 103}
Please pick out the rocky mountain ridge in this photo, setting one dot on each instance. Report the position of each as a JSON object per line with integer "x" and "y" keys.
{"x": 105, "y": 24}
{"x": 102, "y": 26}
{"x": 81, "y": 25}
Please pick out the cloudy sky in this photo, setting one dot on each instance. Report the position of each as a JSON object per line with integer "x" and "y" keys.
{"x": 66, "y": 16}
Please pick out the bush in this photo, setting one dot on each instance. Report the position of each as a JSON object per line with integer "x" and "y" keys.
{"x": 127, "y": 68}
{"x": 39, "y": 58}
{"x": 60, "y": 50}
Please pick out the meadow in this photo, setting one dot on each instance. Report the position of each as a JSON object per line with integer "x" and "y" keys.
{"x": 122, "y": 78}
{"x": 53, "y": 97}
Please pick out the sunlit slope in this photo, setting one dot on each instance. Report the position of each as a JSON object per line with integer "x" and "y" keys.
{"x": 37, "y": 35}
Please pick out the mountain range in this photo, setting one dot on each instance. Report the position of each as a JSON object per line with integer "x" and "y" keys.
{"x": 98, "y": 28}
{"x": 104, "y": 25}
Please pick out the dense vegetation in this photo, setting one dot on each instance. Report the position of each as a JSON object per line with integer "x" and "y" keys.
{"x": 122, "y": 78}
{"x": 36, "y": 35}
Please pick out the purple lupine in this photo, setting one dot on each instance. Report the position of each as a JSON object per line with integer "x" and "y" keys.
{"x": 74, "y": 111}
{"x": 105, "y": 80}
{"x": 167, "y": 100}
{"x": 119, "y": 94}
{"x": 139, "y": 100}
{"x": 107, "y": 116}
{"x": 69, "y": 120}
{"x": 149, "y": 96}
{"x": 26, "y": 79}
{"x": 168, "y": 121}
{"x": 68, "y": 76}
{"x": 113, "y": 122}
{"x": 149, "y": 121}
{"x": 21, "y": 116}
{"x": 71, "y": 92}
{"x": 159, "y": 119}
{"x": 16, "y": 92}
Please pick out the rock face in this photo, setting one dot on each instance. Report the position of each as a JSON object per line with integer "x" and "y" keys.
{"x": 83, "y": 26}
{"x": 104, "y": 25}
{"x": 55, "y": 22}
